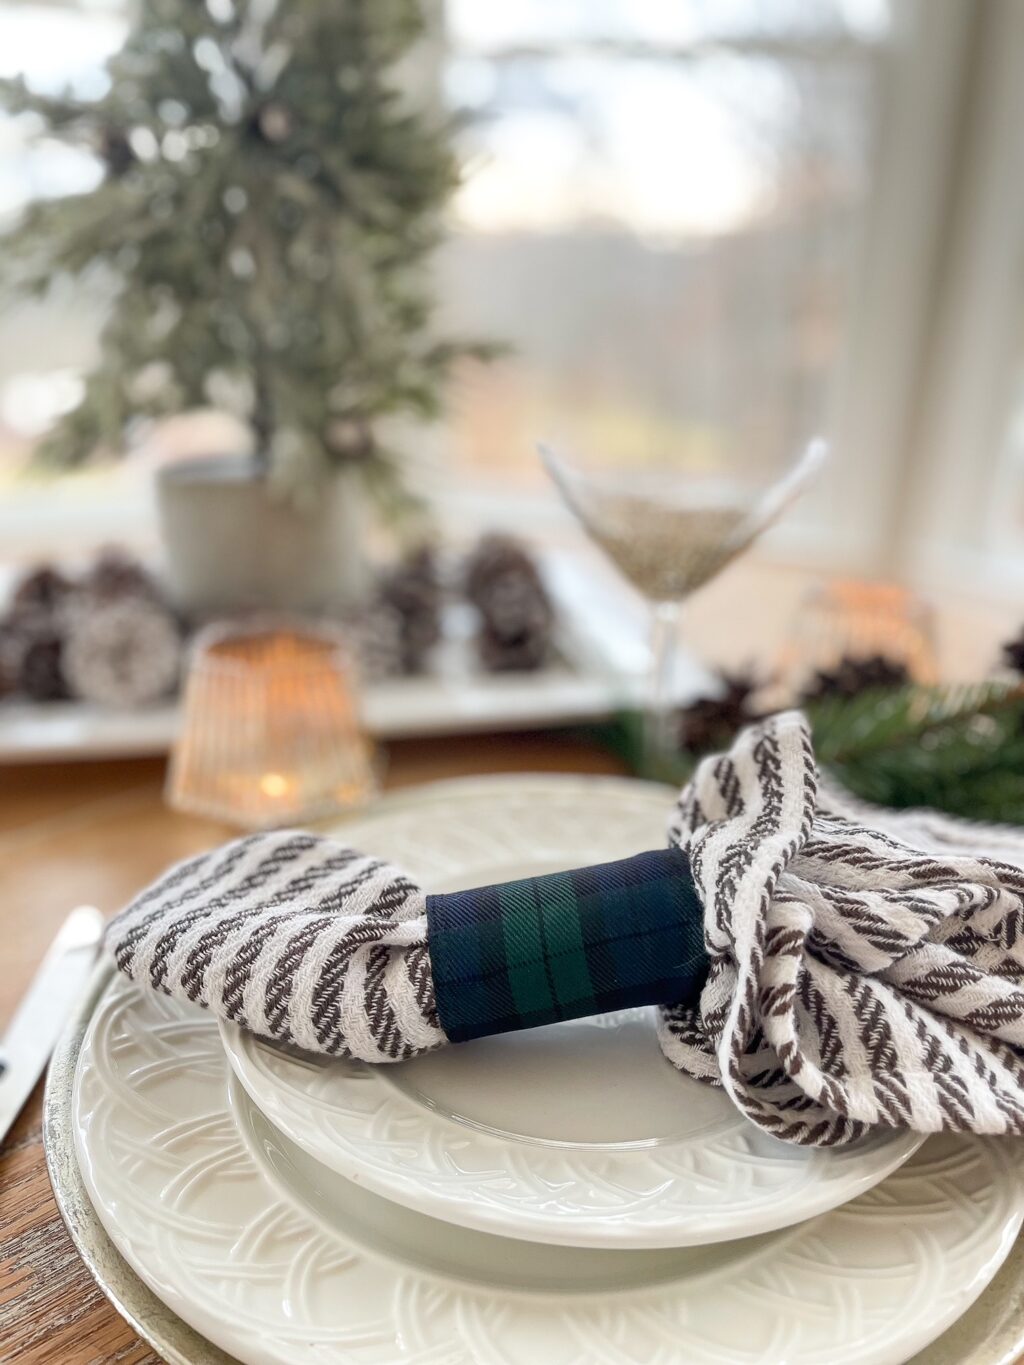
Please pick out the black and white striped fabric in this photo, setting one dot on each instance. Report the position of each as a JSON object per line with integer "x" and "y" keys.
{"x": 866, "y": 966}
{"x": 295, "y": 937}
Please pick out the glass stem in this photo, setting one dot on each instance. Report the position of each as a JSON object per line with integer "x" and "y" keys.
{"x": 658, "y": 736}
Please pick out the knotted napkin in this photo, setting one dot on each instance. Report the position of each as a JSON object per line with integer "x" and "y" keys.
{"x": 834, "y": 967}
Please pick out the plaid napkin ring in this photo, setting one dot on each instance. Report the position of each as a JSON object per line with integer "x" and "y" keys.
{"x": 565, "y": 945}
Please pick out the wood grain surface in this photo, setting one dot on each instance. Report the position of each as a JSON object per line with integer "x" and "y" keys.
{"x": 94, "y": 834}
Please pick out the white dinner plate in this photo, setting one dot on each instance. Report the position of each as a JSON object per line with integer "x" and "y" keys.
{"x": 991, "y": 1332}
{"x": 183, "y": 1200}
{"x": 580, "y": 1133}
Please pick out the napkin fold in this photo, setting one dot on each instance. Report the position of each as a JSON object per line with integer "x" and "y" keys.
{"x": 861, "y": 968}
{"x": 865, "y": 965}
{"x": 295, "y": 937}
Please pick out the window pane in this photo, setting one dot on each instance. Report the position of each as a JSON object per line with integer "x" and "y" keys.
{"x": 42, "y": 345}
{"x": 478, "y": 26}
{"x": 1003, "y": 526}
{"x": 663, "y": 229}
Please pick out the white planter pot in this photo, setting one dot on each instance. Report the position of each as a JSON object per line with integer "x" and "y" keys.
{"x": 233, "y": 546}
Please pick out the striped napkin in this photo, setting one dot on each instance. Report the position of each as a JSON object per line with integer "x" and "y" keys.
{"x": 834, "y": 968}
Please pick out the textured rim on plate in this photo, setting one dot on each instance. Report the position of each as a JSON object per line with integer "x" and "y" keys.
{"x": 996, "y": 1313}
{"x": 178, "y": 1192}
{"x": 152, "y": 1320}
{"x": 726, "y": 1181}
{"x": 719, "y": 1179}
{"x": 991, "y": 1332}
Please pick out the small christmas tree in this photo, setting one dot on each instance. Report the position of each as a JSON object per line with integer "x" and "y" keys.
{"x": 267, "y": 207}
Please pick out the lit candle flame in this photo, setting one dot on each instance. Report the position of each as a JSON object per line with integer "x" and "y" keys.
{"x": 275, "y": 785}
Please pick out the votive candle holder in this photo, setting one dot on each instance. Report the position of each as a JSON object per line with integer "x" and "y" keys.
{"x": 270, "y": 731}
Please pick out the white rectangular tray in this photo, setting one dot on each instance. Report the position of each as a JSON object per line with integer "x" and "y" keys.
{"x": 599, "y": 668}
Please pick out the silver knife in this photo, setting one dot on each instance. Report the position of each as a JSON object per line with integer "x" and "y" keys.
{"x": 33, "y": 1032}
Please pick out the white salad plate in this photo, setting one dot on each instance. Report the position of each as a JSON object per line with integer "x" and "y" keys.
{"x": 579, "y": 1134}
{"x": 209, "y": 1230}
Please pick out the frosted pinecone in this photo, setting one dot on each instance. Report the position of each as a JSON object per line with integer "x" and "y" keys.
{"x": 10, "y": 662}
{"x": 31, "y": 653}
{"x": 116, "y": 575}
{"x": 41, "y": 675}
{"x": 378, "y": 637}
{"x": 123, "y": 654}
{"x": 42, "y": 589}
{"x": 504, "y": 584}
{"x": 12, "y": 647}
{"x": 520, "y": 653}
{"x": 412, "y": 593}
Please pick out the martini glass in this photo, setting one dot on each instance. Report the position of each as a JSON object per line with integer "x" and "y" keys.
{"x": 670, "y": 528}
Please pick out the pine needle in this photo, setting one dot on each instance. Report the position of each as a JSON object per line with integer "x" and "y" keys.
{"x": 955, "y": 749}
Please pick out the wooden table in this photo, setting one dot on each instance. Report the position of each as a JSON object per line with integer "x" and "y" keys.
{"x": 95, "y": 833}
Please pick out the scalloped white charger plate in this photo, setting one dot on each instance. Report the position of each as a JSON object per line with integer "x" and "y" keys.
{"x": 207, "y": 1229}
{"x": 579, "y": 1134}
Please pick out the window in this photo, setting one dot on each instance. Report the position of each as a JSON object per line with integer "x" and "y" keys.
{"x": 44, "y": 346}
{"x": 662, "y": 217}
{"x": 963, "y": 522}
{"x": 768, "y": 216}
{"x": 41, "y": 346}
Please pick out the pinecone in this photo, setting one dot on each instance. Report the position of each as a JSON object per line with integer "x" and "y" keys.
{"x": 379, "y": 642}
{"x": 124, "y": 653}
{"x": 412, "y": 592}
{"x": 516, "y": 615}
{"x": 1013, "y": 653}
{"x": 43, "y": 588}
{"x": 31, "y": 646}
{"x": 41, "y": 674}
{"x": 493, "y": 563}
{"x": 522, "y": 653}
{"x": 116, "y": 575}
{"x": 853, "y": 675}
{"x": 710, "y": 723}
{"x": 11, "y": 650}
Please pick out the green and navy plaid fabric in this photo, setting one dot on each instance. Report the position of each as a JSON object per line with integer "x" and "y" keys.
{"x": 536, "y": 951}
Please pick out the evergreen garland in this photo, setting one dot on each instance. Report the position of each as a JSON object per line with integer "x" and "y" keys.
{"x": 955, "y": 749}
{"x": 960, "y": 750}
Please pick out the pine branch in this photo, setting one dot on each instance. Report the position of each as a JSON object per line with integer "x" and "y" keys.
{"x": 958, "y": 750}
{"x": 853, "y": 729}
{"x": 58, "y": 112}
